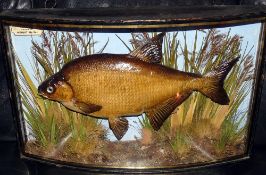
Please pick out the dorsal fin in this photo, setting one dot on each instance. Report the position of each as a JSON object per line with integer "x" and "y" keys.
{"x": 149, "y": 50}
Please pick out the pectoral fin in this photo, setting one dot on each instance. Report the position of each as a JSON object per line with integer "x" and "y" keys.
{"x": 81, "y": 107}
{"x": 119, "y": 126}
{"x": 161, "y": 112}
{"x": 87, "y": 108}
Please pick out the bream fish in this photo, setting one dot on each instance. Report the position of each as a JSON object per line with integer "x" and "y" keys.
{"x": 115, "y": 86}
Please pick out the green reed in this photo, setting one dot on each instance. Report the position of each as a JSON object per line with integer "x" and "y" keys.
{"x": 223, "y": 121}
{"x": 49, "y": 121}
{"x": 199, "y": 116}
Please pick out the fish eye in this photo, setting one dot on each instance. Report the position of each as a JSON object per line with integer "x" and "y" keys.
{"x": 50, "y": 89}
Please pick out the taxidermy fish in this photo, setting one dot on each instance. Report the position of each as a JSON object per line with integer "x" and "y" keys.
{"x": 115, "y": 86}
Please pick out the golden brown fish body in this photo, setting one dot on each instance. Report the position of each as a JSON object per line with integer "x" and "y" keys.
{"x": 122, "y": 85}
{"x": 113, "y": 86}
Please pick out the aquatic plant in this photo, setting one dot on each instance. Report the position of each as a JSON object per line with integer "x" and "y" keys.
{"x": 144, "y": 122}
{"x": 180, "y": 142}
{"x": 52, "y": 125}
{"x": 198, "y": 116}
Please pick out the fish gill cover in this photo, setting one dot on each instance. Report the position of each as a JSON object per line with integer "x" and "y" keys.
{"x": 199, "y": 130}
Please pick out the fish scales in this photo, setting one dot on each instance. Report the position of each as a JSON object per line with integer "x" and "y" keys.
{"x": 122, "y": 89}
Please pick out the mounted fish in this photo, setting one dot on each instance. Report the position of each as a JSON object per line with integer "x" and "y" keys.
{"x": 114, "y": 86}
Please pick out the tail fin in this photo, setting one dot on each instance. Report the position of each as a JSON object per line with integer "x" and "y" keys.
{"x": 214, "y": 82}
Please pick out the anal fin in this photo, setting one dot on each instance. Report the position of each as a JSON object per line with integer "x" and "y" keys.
{"x": 159, "y": 113}
{"x": 119, "y": 126}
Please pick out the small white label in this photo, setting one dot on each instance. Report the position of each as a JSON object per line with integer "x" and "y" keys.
{"x": 20, "y": 31}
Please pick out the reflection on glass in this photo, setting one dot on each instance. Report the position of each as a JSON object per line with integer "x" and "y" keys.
{"x": 199, "y": 130}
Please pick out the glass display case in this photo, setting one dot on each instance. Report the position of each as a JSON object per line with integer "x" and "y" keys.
{"x": 135, "y": 89}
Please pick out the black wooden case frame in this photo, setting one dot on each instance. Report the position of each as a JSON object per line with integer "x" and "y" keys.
{"x": 133, "y": 20}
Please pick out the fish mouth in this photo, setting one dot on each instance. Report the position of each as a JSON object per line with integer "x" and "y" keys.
{"x": 43, "y": 95}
